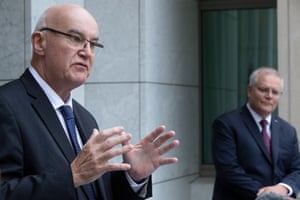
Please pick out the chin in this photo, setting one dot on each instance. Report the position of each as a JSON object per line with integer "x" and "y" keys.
{"x": 81, "y": 77}
{"x": 79, "y": 81}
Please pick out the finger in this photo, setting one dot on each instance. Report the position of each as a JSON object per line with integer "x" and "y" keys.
{"x": 118, "y": 166}
{"x": 90, "y": 143}
{"x": 165, "y": 161}
{"x": 106, "y": 133}
{"x": 90, "y": 158}
{"x": 109, "y": 154}
{"x": 167, "y": 148}
{"x": 126, "y": 142}
{"x": 95, "y": 132}
{"x": 114, "y": 141}
{"x": 262, "y": 190}
{"x": 155, "y": 133}
{"x": 163, "y": 138}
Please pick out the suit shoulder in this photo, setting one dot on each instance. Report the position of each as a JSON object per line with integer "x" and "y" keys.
{"x": 7, "y": 87}
{"x": 230, "y": 114}
{"x": 282, "y": 122}
{"x": 12, "y": 91}
{"x": 85, "y": 114}
{"x": 79, "y": 108}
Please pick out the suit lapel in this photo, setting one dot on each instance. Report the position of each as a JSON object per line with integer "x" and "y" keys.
{"x": 275, "y": 130}
{"x": 44, "y": 109}
{"x": 81, "y": 124}
{"x": 254, "y": 131}
{"x": 50, "y": 120}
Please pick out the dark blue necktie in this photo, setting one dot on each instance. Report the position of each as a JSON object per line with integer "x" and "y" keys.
{"x": 69, "y": 118}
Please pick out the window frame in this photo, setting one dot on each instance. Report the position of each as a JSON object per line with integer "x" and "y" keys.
{"x": 207, "y": 170}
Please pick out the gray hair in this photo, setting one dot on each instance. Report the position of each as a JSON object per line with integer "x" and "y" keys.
{"x": 268, "y": 70}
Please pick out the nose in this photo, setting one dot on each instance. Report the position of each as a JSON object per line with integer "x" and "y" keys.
{"x": 269, "y": 94}
{"x": 87, "y": 48}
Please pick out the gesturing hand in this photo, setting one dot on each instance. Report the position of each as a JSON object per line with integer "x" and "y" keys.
{"x": 92, "y": 161}
{"x": 145, "y": 156}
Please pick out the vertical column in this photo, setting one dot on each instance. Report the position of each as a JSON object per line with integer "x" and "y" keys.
{"x": 12, "y": 39}
{"x": 288, "y": 59}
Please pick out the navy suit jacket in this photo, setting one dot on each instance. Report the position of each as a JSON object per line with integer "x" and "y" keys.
{"x": 242, "y": 162}
{"x": 35, "y": 154}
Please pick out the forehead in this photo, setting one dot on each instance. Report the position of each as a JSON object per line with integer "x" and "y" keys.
{"x": 73, "y": 18}
{"x": 269, "y": 79}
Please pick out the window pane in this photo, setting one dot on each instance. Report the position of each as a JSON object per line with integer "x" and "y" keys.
{"x": 234, "y": 42}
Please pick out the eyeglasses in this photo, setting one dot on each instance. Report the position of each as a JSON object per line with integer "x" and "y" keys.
{"x": 76, "y": 40}
{"x": 266, "y": 90}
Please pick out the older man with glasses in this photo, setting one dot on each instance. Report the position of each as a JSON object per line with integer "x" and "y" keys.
{"x": 50, "y": 146}
{"x": 256, "y": 152}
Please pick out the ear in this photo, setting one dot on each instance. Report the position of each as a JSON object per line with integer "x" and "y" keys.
{"x": 38, "y": 43}
{"x": 249, "y": 90}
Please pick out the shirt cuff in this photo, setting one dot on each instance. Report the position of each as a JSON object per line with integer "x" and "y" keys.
{"x": 288, "y": 187}
{"x": 139, "y": 188}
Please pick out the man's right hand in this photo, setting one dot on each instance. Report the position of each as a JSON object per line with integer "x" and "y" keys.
{"x": 93, "y": 160}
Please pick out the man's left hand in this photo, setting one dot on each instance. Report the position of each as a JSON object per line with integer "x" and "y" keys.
{"x": 146, "y": 156}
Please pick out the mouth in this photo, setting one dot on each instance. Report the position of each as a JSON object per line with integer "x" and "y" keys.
{"x": 82, "y": 65}
{"x": 267, "y": 105}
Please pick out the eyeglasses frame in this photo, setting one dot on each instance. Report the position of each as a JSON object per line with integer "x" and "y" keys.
{"x": 92, "y": 43}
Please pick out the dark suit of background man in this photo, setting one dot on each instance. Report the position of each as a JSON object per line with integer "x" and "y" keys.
{"x": 37, "y": 160}
{"x": 244, "y": 166}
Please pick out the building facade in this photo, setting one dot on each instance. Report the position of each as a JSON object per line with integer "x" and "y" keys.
{"x": 148, "y": 74}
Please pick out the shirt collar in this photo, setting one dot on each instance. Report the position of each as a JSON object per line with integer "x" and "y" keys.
{"x": 257, "y": 117}
{"x": 53, "y": 97}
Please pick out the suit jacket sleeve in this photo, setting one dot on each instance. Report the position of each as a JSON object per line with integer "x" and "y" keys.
{"x": 125, "y": 192}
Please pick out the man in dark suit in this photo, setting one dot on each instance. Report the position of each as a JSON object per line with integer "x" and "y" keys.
{"x": 245, "y": 167}
{"x": 37, "y": 159}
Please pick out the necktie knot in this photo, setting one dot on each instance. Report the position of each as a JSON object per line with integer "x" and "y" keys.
{"x": 69, "y": 118}
{"x": 263, "y": 123}
{"x": 67, "y": 112}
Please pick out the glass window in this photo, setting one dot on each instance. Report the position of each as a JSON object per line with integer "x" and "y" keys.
{"x": 233, "y": 43}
